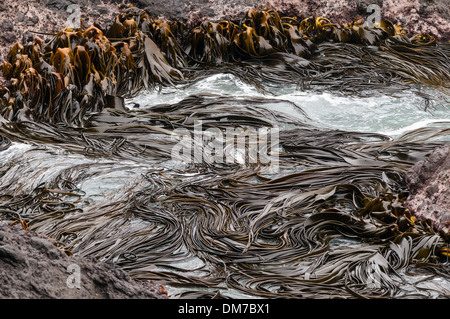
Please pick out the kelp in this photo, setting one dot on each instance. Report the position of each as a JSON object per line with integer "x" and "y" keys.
{"x": 262, "y": 235}
{"x": 82, "y": 70}
{"x": 331, "y": 222}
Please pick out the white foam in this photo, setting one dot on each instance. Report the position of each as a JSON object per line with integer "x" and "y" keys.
{"x": 415, "y": 126}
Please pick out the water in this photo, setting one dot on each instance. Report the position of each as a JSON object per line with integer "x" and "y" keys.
{"x": 388, "y": 115}
{"x": 392, "y": 116}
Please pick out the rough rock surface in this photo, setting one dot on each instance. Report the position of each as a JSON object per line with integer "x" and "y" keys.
{"x": 21, "y": 21}
{"x": 416, "y": 16}
{"x": 429, "y": 186}
{"x": 32, "y": 267}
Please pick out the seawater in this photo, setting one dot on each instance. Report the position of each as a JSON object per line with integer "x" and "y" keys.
{"x": 389, "y": 115}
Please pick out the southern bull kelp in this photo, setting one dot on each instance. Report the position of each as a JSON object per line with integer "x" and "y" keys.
{"x": 87, "y": 69}
{"x": 330, "y": 223}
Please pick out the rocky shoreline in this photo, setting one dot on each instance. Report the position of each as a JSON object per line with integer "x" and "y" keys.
{"x": 32, "y": 267}
{"x": 20, "y": 21}
{"x": 429, "y": 185}
{"x": 23, "y": 252}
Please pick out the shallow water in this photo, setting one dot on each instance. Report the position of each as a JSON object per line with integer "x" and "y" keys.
{"x": 111, "y": 181}
{"x": 383, "y": 114}
{"x": 388, "y": 115}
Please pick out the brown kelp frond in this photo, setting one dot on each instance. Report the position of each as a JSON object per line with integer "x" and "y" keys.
{"x": 231, "y": 222}
{"x": 332, "y": 223}
{"x": 78, "y": 71}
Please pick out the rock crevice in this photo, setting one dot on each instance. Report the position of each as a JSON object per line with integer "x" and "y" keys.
{"x": 32, "y": 267}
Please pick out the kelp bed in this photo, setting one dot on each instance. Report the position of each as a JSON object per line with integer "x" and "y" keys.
{"x": 330, "y": 224}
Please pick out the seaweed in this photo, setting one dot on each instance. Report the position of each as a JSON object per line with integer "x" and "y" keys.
{"x": 263, "y": 235}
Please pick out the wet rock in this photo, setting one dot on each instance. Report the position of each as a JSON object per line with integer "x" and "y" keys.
{"x": 429, "y": 185}
{"x": 32, "y": 267}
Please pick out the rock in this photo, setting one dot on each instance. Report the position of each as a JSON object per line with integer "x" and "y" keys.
{"x": 20, "y": 17}
{"x": 429, "y": 184}
{"x": 32, "y": 267}
{"x": 27, "y": 37}
{"x": 45, "y": 247}
{"x": 58, "y": 4}
{"x": 34, "y": 19}
{"x": 142, "y": 3}
{"x": 11, "y": 255}
{"x": 102, "y": 10}
{"x": 7, "y": 25}
{"x": 9, "y": 36}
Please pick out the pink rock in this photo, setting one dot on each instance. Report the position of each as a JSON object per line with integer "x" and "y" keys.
{"x": 429, "y": 185}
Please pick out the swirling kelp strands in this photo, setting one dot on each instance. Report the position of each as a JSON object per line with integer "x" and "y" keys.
{"x": 262, "y": 252}
{"x": 138, "y": 135}
{"x": 260, "y": 225}
{"x": 40, "y": 208}
{"x": 139, "y": 142}
{"x": 149, "y": 236}
{"x": 341, "y": 148}
{"x": 320, "y": 277}
{"x": 406, "y": 252}
{"x": 37, "y": 201}
{"x": 329, "y": 222}
{"x": 114, "y": 229}
{"x": 215, "y": 229}
{"x": 313, "y": 146}
{"x": 407, "y": 149}
{"x": 266, "y": 276}
{"x": 337, "y": 196}
{"x": 343, "y": 70}
{"x": 248, "y": 204}
{"x": 214, "y": 109}
{"x": 416, "y": 63}
{"x": 346, "y": 227}
{"x": 369, "y": 271}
